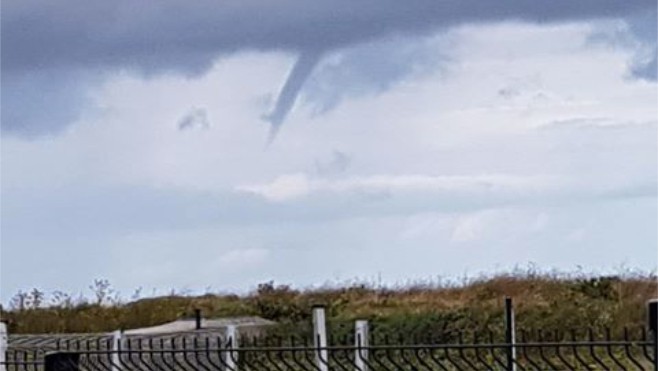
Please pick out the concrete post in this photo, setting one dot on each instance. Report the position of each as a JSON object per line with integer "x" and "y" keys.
{"x": 232, "y": 346}
{"x": 361, "y": 338}
{"x": 4, "y": 344}
{"x": 320, "y": 338}
{"x": 116, "y": 349}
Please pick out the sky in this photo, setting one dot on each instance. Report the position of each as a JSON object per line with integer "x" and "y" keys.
{"x": 220, "y": 145}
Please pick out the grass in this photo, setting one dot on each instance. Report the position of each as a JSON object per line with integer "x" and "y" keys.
{"x": 542, "y": 300}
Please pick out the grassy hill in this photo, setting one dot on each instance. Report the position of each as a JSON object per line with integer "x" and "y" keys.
{"x": 542, "y": 301}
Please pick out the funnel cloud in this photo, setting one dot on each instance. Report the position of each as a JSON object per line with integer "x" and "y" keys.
{"x": 298, "y": 75}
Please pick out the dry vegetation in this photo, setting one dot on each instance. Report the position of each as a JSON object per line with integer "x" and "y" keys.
{"x": 542, "y": 300}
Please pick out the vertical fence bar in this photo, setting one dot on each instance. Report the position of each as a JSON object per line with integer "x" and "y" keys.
{"x": 197, "y": 319}
{"x": 361, "y": 337}
{"x": 652, "y": 319}
{"x": 231, "y": 349}
{"x": 510, "y": 334}
{"x": 320, "y": 338}
{"x": 4, "y": 344}
{"x": 116, "y": 348}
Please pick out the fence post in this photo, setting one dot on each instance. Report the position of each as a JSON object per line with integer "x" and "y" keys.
{"x": 510, "y": 334}
{"x": 116, "y": 349}
{"x": 4, "y": 344}
{"x": 652, "y": 319}
{"x": 197, "y": 319}
{"x": 361, "y": 337}
{"x": 320, "y": 338}
{"x": 232, "y": 346}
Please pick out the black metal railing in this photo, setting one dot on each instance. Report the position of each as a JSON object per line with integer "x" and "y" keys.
{"x": 534, "y": 350}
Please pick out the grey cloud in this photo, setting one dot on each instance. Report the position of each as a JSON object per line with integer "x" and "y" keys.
{"x": 370, "y": 69}
{"x": 647, "y": 70}
{"x": 520, "y": 86}
{"x": 121, "y": 211}
{"x": 641, "y": 34}
{"x": 42, "y": 102}
{"x": 129, "y": 259}
{"x": 197, "y": 118}
{"x": 644, "y": 28}
{"x": 173, "y": 36}
{"x": 338, "y": 163}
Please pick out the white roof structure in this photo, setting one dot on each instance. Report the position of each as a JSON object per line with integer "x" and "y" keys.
{"x": 179, "y": 329}
{"x": 208, "y": 325}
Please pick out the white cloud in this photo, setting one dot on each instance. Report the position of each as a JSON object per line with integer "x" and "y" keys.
{"x": 505, "y": 225}
{"x": 470, "y": 228}
{"x": 576, "y": 235}
{"x": 541, "y": 222}
{"x": 243, "y": 259}
{"x": 290, "y": 187}
{"x": 283, "y": 188}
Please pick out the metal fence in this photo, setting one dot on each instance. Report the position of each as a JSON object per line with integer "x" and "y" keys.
{"x": 517, "y": 350}
{"x": 631, "y": 352}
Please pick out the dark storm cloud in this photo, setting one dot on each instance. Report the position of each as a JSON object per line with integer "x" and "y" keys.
{"x": 43, "y": 102}
{"x": 180, "y": 35}
{"x": 184, "y": 37}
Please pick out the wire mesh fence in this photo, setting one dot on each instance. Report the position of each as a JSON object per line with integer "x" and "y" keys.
{"x": 589, "y": 349}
